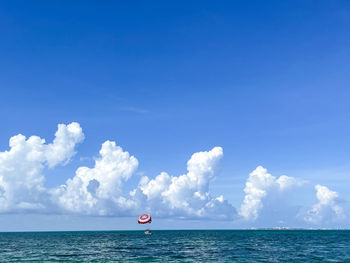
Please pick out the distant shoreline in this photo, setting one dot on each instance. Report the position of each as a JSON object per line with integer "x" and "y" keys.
{"x": 159, "y": 230}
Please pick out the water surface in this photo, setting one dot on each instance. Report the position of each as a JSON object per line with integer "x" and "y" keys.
{"x": 178, "y": 246}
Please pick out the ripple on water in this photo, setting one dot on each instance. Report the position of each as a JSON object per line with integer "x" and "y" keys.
{"x": 177, "y": 246}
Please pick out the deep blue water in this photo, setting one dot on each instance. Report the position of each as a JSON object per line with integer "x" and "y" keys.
{"x": 178, "y": 246}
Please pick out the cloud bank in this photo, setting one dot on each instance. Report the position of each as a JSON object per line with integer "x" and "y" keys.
{"x": 99, "y": 190}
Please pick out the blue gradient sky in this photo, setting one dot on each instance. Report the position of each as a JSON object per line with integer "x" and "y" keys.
{"x": 266, "y": 80}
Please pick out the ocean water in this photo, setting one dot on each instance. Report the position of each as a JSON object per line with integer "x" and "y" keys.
{"x": 178, "y": 246}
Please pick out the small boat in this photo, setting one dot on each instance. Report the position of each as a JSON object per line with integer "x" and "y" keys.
{"x": 147, "y": 232}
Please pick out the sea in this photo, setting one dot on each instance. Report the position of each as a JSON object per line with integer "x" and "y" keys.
{"x": 177, "y": 246}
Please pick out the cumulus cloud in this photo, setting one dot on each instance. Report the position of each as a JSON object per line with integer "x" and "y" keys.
{"x": 328, "y": 207}
{"x": 21, "y": 167}
{"x": 63, "y": 146}
{"x": 260, "y": 184}
{"x": 98, "y": 190}
{"x": 186, "y": 195}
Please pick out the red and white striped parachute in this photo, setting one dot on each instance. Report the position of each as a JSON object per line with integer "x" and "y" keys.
{"x": 145, "y": 219}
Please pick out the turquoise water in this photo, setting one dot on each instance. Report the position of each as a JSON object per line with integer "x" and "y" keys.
{"x": 178, "y": 246}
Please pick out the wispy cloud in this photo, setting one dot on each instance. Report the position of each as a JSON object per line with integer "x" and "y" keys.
{"x": 135, "y": 110}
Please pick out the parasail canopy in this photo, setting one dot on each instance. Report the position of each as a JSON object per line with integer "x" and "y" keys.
{"x": 145, "y": 219}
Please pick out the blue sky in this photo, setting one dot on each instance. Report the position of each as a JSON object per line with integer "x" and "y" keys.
{"x": 266, "y": 81}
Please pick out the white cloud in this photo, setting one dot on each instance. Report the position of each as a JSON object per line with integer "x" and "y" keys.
{"x": 327, "y": 209}
{"x": 186, "y": 195}
{"x": 98, "y": 190}
{"x": 63, "y": 146}
{"x": 259, "y": 185}
{"x": 21, "y": 167}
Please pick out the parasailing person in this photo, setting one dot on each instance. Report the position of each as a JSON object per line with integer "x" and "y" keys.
{"x": 145, "y": 219}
